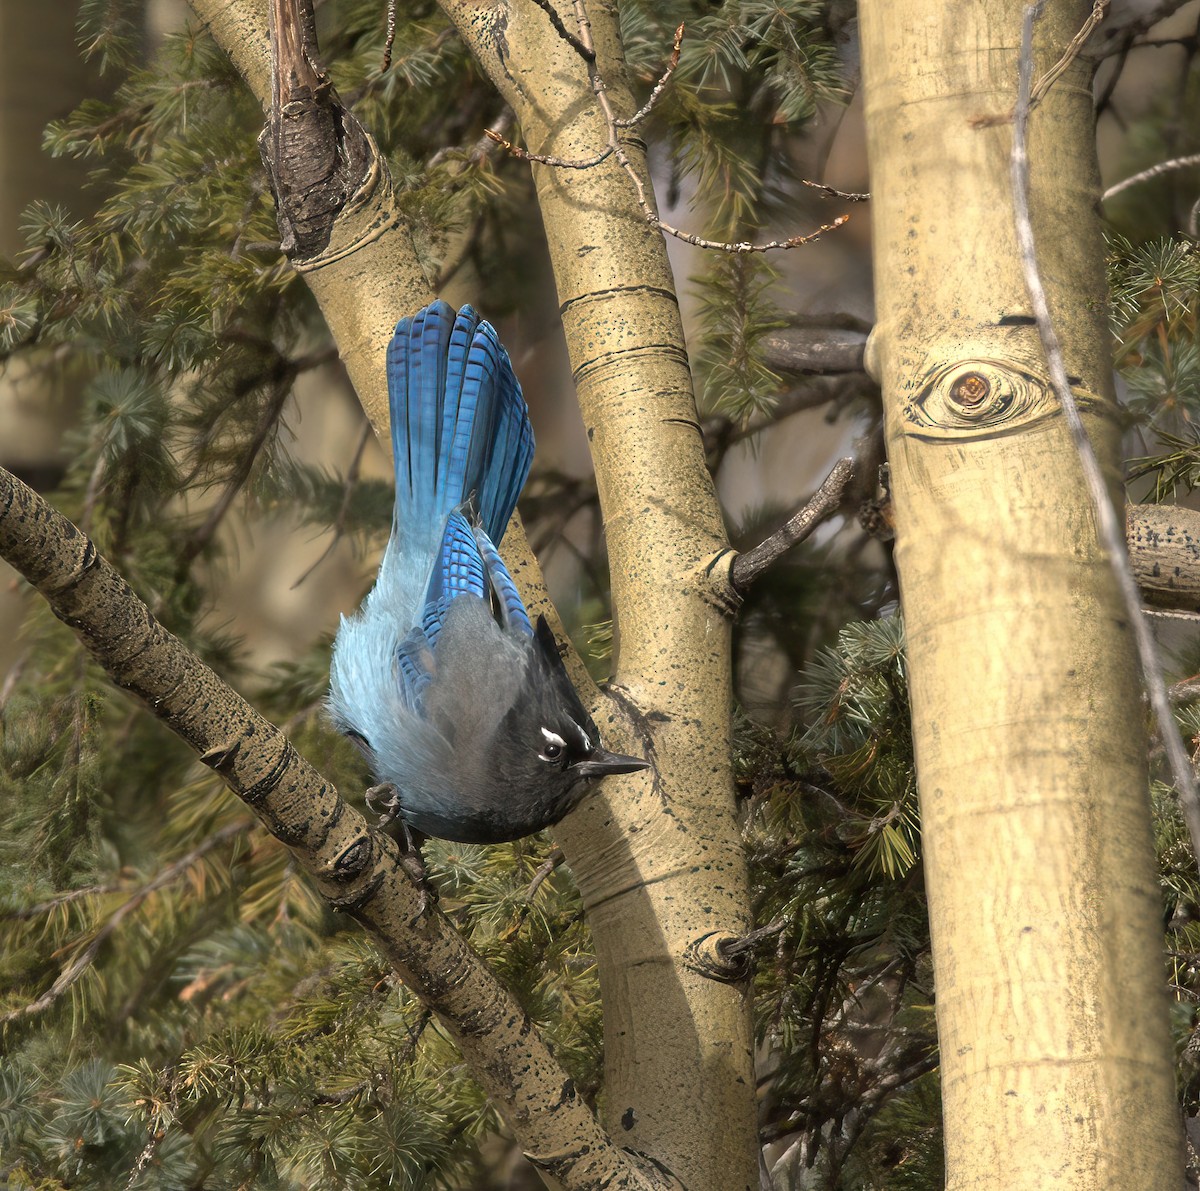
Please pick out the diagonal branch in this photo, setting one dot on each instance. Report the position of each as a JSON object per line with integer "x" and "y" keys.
{"x": 747, "y": 567}
{"x": 356, "y": 868}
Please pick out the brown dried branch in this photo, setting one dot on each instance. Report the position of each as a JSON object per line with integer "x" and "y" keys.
{"x": 747, "y": 567}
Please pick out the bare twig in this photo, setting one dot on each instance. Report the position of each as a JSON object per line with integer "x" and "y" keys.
{"x": 76, "y": 968}
{"x": 584, "y": 46}
{"x": 644, "y": 110}
{"x": 1163, "y": 167}
{"x": 556, "y": 857}
{"x": 1112, "y": 538}
{"x": 385, "y": 65}
{"x": 847, "y": 196}
{"x": 747, "y": 567}
{"x": 562, "y": 163}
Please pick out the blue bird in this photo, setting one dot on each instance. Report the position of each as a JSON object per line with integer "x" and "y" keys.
{"x": 457, "y": 700}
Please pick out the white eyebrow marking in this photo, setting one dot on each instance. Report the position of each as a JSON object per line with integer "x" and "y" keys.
{"x": 552, "y": 738}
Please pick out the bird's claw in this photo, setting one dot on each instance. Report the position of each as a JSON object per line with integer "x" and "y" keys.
{"x": 384, "y": 800}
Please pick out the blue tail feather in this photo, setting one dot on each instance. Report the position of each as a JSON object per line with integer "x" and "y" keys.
{"x": 460, "y": 429}
{"x": 416, "y": 374}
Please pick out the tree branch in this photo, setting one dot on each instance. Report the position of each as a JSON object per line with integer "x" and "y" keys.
{"x": 1164, "y": 553}
{"x": 821, "y": 348}
{"x": 659, "y": 862}
{"x": 1163, "y": 167}
{"x": 748, "y": 566}
{"x": 316, "y": 153}
{"x": 356, "y": 868}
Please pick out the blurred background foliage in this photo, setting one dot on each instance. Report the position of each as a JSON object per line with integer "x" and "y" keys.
{"x": 177, "y": 1009}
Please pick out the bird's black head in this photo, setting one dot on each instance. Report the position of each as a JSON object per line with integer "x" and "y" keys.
{"x": 547, "y": 743}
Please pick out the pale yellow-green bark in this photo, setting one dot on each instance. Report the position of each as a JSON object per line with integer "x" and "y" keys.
{"x": 1045, "y": 913}
{"x": 659, "y": 861}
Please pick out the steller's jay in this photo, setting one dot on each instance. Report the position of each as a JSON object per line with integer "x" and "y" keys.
{"x": 458, "y": 702}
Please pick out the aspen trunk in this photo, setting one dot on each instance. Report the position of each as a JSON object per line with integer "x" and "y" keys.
{"x": 660, "y": 864}
{"x": 1045, "y": 911}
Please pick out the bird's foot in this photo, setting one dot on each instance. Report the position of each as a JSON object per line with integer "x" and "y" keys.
{"x": 384, "y": 800}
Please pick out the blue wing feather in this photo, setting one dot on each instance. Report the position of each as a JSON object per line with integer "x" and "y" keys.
{"x": 512, "y": 610}
{"x": 459, "y": 570}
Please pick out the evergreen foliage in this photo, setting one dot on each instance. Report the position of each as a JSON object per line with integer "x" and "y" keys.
{"x": 178, "y": 1008}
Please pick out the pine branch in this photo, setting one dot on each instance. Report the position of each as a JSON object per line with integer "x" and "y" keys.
{"x": 339, "y": 524}
{"x": 83, "y": 960}
{"x": 357, "y": 869}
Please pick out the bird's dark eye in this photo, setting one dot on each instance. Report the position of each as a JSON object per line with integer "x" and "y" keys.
{"x": 553, "y": 746}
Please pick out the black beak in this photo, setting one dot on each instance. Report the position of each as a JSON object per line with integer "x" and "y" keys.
{"x": 601, "y": 763}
